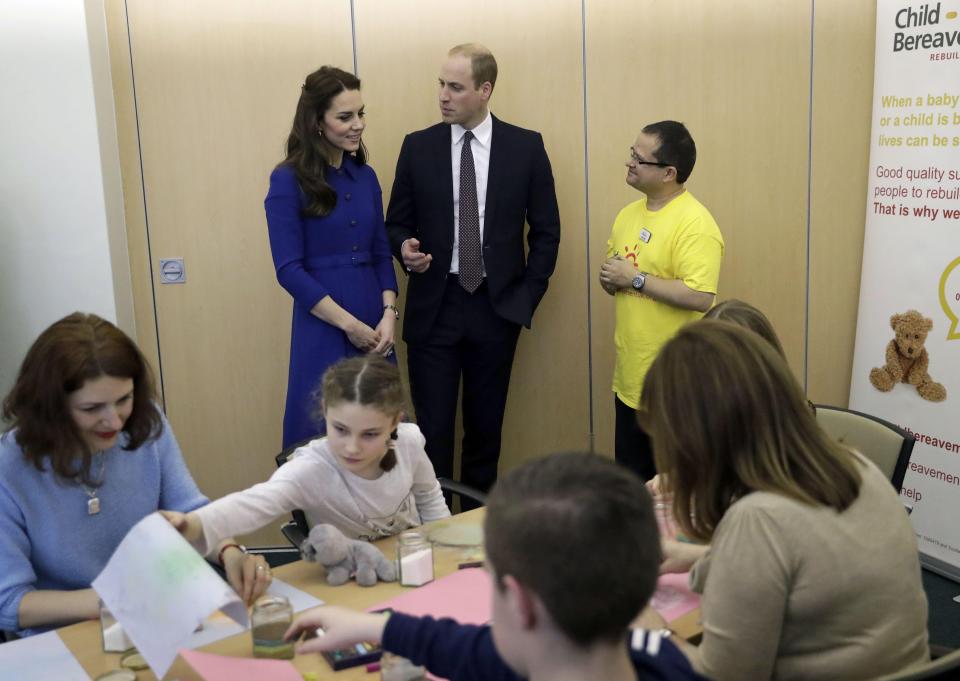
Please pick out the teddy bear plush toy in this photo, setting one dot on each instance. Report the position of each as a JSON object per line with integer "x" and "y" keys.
{"x": 345, "y": 558}
{"x": 907, "y": 358}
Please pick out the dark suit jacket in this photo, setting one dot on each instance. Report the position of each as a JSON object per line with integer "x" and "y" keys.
{"x": 519, "y": 190}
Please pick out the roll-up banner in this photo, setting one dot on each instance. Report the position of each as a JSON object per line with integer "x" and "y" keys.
{"x": 906, "y": 365}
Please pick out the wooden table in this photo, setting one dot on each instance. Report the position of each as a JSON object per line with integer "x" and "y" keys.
{"x": 84, "y": 640}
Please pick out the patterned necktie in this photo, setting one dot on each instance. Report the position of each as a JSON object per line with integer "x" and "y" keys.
{"x": 470, "y": 262}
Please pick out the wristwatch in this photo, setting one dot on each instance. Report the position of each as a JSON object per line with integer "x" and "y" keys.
{"x": 639, "y": 281}
{"x": 396, "y": 312}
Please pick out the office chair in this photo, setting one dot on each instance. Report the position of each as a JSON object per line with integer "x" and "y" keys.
{"x": 943, "y": 668}
{"x": 458, "y": 489}
{"x": 296, "y": 530}
{"x": 886, "y": 445}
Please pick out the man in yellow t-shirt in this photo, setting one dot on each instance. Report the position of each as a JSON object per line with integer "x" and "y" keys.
{"x": 663, "y": 263}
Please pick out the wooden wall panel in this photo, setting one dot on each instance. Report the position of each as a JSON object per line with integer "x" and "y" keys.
{"x": 538, "y": 50}
{"x": 102, "y": 71}
{"x": 737, "y": 73}
{"x": 216, "y": 84}
{"x": 843, "y": 36}
{"x": 133, "y": 208}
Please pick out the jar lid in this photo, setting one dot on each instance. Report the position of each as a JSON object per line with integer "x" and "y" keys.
{"x": 412, "y": 537}
{"x": 134, "y": 660}
{"x": 271, "y": 602}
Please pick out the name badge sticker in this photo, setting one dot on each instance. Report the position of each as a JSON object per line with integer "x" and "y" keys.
{"x": 645, "y": 235}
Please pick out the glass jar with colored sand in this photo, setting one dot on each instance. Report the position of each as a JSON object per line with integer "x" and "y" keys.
{"x": 272, "y": 616}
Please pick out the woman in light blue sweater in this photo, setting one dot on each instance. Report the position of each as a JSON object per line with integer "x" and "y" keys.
{"x": 88, "y": 455}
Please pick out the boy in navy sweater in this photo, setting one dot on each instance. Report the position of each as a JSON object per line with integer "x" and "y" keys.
{"x": 573, "y": 550}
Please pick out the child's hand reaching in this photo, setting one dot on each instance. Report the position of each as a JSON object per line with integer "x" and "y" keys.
{"x": 339, "y": 628}
{"x": 248, "y": 574}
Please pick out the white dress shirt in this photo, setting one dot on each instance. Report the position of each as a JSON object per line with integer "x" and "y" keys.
{"x": 482, "y": 138}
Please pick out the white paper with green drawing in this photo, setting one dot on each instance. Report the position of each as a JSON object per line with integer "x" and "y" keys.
{"x": 160, "y": 589}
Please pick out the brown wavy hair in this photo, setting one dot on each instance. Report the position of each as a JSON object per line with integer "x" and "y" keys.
{"x": 306, "y": 150}
{"x": 78, "y": 348}
{"x": 727, "y": 418}
{"x": 369, "y": 380}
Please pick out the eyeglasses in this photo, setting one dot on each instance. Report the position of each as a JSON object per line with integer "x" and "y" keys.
{"x": 640, "y": 162}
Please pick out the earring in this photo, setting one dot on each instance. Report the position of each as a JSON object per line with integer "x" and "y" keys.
{"x": 320, "y": 132}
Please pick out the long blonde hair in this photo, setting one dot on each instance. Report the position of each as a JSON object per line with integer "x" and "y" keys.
{"x": 727, "y": 418}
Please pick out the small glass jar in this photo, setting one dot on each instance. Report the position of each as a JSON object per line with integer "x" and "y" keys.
{"x": 396, "y": 668}
{"x": 272, "y": 616}
{"x": 414, "y": 558}
{"x": 115, "y": 639}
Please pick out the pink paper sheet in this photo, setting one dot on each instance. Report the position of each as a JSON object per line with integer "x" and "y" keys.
{"x": 463, "y": 595}
{"x": 221, "y": 668}
{"x": 673, "y": 597}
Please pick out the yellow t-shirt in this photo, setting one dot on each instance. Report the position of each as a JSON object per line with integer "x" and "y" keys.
{"x": 679, "y": 241}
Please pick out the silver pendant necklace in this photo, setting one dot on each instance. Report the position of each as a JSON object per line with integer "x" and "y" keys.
{"x": 93, "y": 503}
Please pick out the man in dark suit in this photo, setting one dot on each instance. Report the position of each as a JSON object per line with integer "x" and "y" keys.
{"x": 463, "y": 191}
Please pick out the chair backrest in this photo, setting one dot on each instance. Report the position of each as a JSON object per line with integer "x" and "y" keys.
{"x": 285, "y": 455}
{"x": 946, "y": 667}
{"x": 887, "y": 445}
{"x": 475, "y": 497}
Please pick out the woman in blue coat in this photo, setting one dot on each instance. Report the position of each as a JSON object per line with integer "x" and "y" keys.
{"x": 325, "y": 218}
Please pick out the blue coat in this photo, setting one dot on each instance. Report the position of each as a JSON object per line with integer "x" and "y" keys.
{"x": 343, "y": 255}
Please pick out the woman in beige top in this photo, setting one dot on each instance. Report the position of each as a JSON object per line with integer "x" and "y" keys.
{"x": 811, "y": 568}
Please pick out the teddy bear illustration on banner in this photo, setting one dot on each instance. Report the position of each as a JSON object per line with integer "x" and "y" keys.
{"x": 907, "y": 358}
